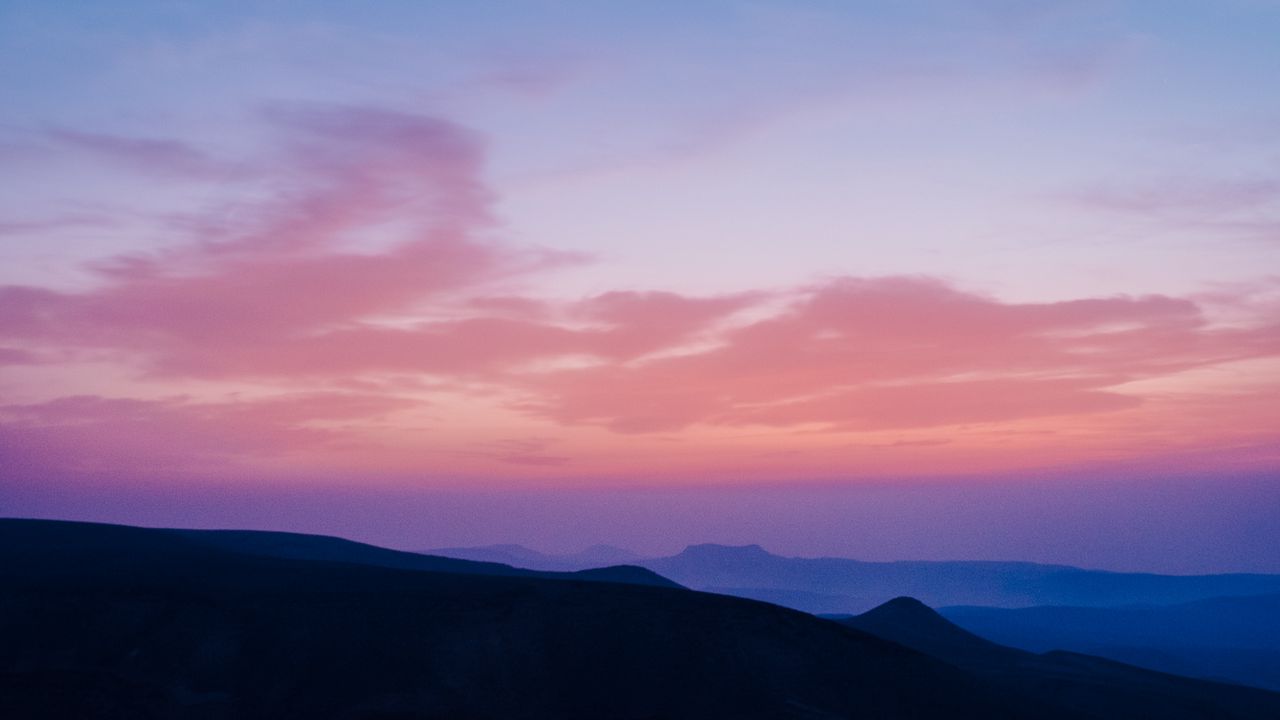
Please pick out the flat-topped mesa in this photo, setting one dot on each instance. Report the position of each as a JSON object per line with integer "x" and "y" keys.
{"x": 728, "y": 552}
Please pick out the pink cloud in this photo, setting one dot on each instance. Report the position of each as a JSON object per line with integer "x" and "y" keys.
{"x": 1240, "y": 208}
{"x": 904, "y": 352}
{"x": 111, "y": 435}
{"x": 472, "y": 346}
{"x": 290, "y": 288}
{"x": 626, "y": 325}
{"x": 928, "y": 404}
{"x": 369, "y": 265}
{"x": 524, "y": 451}
{"x": 14, "y": 356}
{"x": 293, "y": 268}
{"x": 52, "y": 224}
{"x": 1183, "y": 197}
{"x": 647, "y": 321}
{"x": 163, "y": 157}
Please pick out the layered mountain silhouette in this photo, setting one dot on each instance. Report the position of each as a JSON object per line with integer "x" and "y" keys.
{"x": 297, "y": 546}
{"x": 839, "y": 585}
{"x": 120, "y": 622}
{"x": 1090, "y": 686}
{"x": 521, "y": 556}
{"x": 108, "y": 621}
{"x": 909, "y": 622}
{"x": 1231, "y": 638}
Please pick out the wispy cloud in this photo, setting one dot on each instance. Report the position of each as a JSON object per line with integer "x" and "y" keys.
{"x": 163, "y": 157}
{"x": 373, "y": 264}
{"x": 872, "y": 353}
{"x": 113, "y": 436}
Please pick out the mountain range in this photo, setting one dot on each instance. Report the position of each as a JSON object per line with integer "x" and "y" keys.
{"x": 1229, "y": 638}
{"x": 844, "y": 586}
{"x": 121, "y": 622}
{"x": 1222, "y": 627}
{"x": 1083, "y": 684}
{"x": 521, "y": 556}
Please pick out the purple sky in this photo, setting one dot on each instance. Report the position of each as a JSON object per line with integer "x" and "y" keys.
{"x": 899, "y": 279}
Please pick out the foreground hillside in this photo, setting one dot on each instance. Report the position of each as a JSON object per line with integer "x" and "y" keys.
{"x": 103, "y": 621}
{"x": 115, "y": 622}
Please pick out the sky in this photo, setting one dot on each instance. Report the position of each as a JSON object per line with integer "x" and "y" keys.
{"x": 894, "y": 280}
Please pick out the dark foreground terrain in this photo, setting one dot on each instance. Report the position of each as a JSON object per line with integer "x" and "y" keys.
{"x": 103, "y": 621}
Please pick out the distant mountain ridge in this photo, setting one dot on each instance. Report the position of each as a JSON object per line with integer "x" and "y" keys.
{"x": 840, "y": 585}
{"x": 1229, "y": 638}
{"x": 1085, "y": 684}
{"x": 521, "y": 556}
{"x": 1228, "y": 631}
{"x": 298, "y": 546}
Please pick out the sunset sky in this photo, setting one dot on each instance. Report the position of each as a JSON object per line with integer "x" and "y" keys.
{"x": 993, "y": 279}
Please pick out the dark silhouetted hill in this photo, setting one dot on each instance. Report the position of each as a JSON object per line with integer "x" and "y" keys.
{"x": 115, "y": 622}
{"x": 297, "y": 546}
{"x": 107, "y": 621}
{"x": 909, "y": 622}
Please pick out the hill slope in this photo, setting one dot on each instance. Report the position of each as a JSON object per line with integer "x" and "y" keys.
{"x": 109, "y": 621}
{"x": 297, "y": 546}
{"x": 1231, "y": 638}
{"x": 103, "y": 621}
{"x": 1091, "y": 686}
